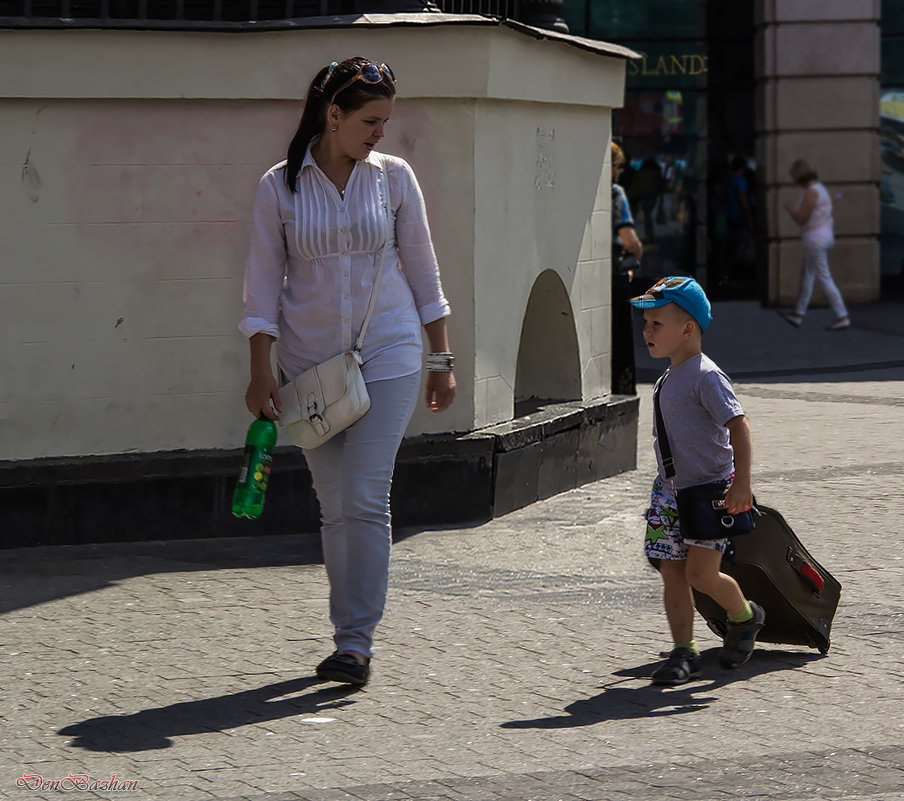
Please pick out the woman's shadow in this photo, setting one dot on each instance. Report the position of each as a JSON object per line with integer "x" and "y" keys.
{"x": 154, "y": 728}
{"x": 625, "y": 703}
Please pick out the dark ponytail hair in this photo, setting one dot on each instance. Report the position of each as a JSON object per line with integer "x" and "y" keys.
{"x": 316, "y": 103}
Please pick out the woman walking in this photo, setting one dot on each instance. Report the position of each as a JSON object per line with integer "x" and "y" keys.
{"x": 320, "y": 225}
{"x": 813, "y": 213}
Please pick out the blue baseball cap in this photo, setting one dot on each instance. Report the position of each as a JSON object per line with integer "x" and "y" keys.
{"x": 680, "y": 289}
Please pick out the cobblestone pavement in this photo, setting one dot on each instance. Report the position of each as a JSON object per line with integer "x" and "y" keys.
{"x": 513, "y": 662}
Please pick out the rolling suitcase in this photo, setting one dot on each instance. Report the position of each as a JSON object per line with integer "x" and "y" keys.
{"x": 774, "y": 569}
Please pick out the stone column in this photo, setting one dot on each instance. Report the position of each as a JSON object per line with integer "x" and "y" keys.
{"x": 818, "y": 99}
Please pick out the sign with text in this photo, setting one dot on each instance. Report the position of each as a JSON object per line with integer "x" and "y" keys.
{"x": 668, "y": 65}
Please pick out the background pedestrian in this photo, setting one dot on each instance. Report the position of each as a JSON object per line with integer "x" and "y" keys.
{"x": 813, "y": 213}
{"x": 627, "y": 251}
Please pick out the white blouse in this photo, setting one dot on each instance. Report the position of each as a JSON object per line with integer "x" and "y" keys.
{"x": 819, "y": 229}
{"x": 312, "y": 262}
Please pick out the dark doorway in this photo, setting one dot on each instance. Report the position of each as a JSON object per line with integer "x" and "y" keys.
{"x": 689, "y": 110}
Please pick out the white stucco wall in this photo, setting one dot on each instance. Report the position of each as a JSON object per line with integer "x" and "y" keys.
{"x": 128, "y": 164}
{"x": 540, "y": 206}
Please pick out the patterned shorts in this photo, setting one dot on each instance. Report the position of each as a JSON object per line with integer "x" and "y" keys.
{"x": 664, "y": 540}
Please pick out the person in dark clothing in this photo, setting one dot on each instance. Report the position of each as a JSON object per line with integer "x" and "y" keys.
{"x": 627, "y": 251}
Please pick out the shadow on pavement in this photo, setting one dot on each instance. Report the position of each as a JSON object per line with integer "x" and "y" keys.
{"x": 153, "y": 729}
{"x": 33, "y": 576}
{"x": 650, "y": 701}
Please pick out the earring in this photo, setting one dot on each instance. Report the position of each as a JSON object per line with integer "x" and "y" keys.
{"x": 333, "y": 129}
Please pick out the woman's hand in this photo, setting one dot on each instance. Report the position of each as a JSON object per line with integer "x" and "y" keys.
{"x": 262, "y": 396}
{"x": 440, "y": 386}
{"x": 440, "y": 390}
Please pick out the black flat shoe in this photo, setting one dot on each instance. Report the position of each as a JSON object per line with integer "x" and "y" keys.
{"x": 344, "y": 668}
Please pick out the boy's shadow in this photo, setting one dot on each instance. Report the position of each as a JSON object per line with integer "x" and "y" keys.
{"x": 626, "y": 703}
{"x": 153, "y": 728}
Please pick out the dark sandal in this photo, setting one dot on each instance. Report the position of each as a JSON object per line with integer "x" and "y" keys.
{"x": 344, "y": 668}
{"x": 682, "y": 666}
{"x": 740, "y": 638}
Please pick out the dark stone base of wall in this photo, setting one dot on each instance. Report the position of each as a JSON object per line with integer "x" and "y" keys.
{"x": 439, "y": 480}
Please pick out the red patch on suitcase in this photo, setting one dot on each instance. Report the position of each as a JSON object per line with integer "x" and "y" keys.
{"x": 812, "y": 576}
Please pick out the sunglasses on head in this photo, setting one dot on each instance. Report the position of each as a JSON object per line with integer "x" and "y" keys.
{"x": 370, "y": 73}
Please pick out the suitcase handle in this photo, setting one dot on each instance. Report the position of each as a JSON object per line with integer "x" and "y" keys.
{"x": 805, "y": 570}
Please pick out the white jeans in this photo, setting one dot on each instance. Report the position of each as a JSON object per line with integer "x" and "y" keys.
{"x": 816, "y": 268}
{"x": 352, "y": 475}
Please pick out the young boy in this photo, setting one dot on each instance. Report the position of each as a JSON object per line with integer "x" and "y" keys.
{"x": 710, "y": 442}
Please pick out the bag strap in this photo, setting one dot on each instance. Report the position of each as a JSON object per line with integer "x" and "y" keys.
{"x": 373, "y": 293}
{"x": 665, "y": 451}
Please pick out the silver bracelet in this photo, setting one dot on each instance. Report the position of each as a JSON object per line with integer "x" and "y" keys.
{"x": 440, "y": 362}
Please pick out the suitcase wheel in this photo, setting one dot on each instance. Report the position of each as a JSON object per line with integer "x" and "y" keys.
{"x": 819, "y": 641}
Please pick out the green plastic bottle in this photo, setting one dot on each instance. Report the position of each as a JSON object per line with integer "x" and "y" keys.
{"x": 248, "y": 498}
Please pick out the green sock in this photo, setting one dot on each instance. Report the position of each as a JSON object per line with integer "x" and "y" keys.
{"x": 690, "y": 646}
{"x": 743, "y": 616}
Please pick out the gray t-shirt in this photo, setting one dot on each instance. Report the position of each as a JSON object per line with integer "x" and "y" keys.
{"x": 697, "y": 400}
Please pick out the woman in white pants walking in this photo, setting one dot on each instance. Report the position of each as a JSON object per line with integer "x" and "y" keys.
{"x": 813, "y": 213}
{"x": 323, "y": 219}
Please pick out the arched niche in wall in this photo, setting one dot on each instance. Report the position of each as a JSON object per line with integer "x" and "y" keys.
{"x": 548, "y": 368}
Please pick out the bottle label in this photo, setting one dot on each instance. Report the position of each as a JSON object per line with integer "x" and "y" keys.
{"x": 255, "y": 473}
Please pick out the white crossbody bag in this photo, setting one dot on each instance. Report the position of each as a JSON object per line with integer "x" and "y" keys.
{"x": 330, "y": 396}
